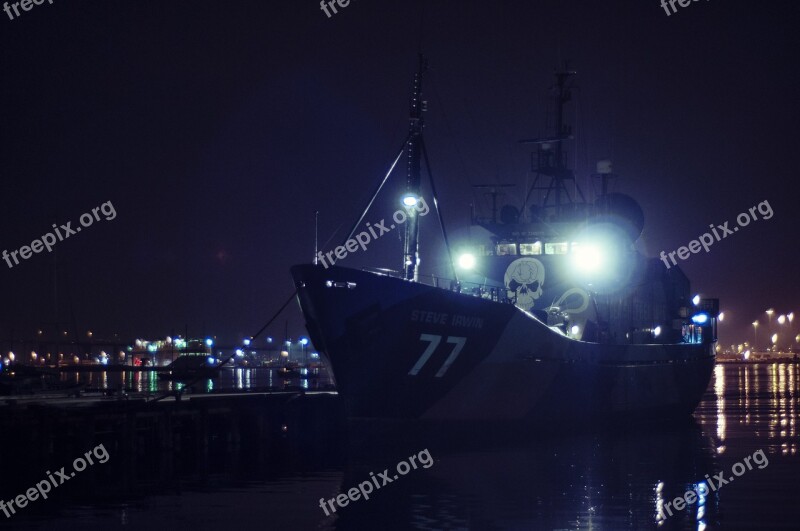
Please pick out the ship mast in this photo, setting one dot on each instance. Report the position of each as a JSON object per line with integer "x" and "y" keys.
{"x": 550, "y": 157}
{"x": 413, "y": 151}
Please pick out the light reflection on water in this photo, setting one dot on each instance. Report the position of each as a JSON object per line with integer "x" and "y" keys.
{"x": 612, "y": 479}
{"x": 239, "y": 378}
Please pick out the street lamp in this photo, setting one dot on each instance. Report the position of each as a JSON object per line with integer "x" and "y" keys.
{"x": 755, "y": 336}
{"x": 304, "y": 342}
{"x": 790, "y": 316}
{"x": 769, "y": 320}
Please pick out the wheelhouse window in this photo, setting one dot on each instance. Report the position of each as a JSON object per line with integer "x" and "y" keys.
{"x": 556, "y": 248}
{"x": 506, "y": 248}
{"x": 530, "y": 248}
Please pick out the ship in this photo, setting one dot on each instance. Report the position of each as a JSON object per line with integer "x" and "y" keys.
{"x": 549, "y": 313}
{"x": 196, "y": 361}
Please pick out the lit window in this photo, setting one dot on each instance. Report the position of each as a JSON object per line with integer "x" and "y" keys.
{"x": 506, "y": 248}
{"x": 530, "y": 248}
{"x": 555, "y": 248}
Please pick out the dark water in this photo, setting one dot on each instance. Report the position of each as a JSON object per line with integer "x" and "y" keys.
{"x": 613, "y": 478}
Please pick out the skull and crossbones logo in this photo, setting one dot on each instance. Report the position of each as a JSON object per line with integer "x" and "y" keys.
{"x": 523, "y": 280}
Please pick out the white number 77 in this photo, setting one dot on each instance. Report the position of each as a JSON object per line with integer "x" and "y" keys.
{"x": 434, "y": 341}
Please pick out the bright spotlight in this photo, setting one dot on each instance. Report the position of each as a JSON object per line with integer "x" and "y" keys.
{"x": 696, "y": 300}
{"x": 304, "y": 341}
{"x": 588, "y": 258}
{"x": 700, "y": 318}
{"x": 575, "y": 329}
{"x": 410, "y": 200}
{"x": 656, "y": 331}
{"x": 209, "y": 342}
{"x": 466, "y": 261}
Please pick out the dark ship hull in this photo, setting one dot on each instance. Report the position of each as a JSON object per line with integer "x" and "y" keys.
{"x": 403, "y": 349}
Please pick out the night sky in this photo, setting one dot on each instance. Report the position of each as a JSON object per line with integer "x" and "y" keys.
{"x": 216, "y": 129}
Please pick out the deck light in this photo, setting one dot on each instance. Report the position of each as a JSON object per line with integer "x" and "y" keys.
{"x": 588, "y": 258}
{"x": 410, "y": 200}
{"x": 466, "y": 261}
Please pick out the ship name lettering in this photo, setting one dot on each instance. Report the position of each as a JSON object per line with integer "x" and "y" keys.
{"x": 467, "y": 321}
{"x": 422, "y": 316}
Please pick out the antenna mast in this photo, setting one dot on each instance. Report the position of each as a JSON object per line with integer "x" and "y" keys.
{"x": 413, "y": 150}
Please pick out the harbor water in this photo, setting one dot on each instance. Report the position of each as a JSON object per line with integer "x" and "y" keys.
{"x": 613, "y": 477}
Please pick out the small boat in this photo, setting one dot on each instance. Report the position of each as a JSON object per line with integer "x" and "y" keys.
{"x": 188, "y": 367}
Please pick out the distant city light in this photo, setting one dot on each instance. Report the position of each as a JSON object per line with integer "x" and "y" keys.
{"x": 721, "y": 316}
{"x": 656, "y": 331}
{"x": 269, "y": 340}
{"x": 239, "y": 352}
{"x": 210, "y": 360}
{"x": 209, "y": 342}
{"x": 774, "y": 338}
{"x": 575, "y": 329}
{"x": 304, "y": 341}
{"x": 696, "y": 300}
{"x": 700, "y": 318}
{"x": 247, "y": 342}
{"x": 781, "y": 319}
